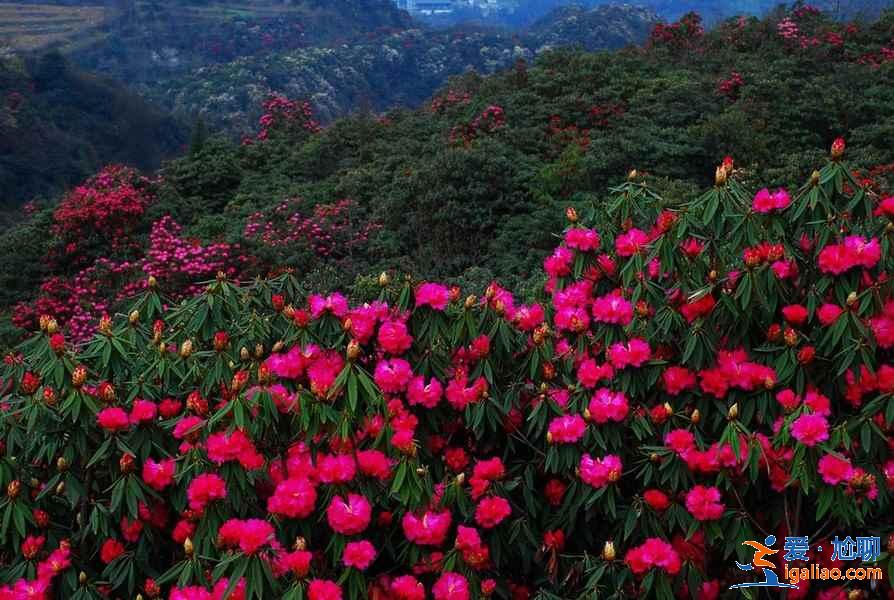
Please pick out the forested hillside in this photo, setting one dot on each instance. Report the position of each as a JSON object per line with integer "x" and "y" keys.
{"x": 59, "y": 124}
{"x": 457, "y": 188}
{"x": 403, "y": 68}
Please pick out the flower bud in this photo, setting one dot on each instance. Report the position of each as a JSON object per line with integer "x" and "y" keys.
{"x": 61, "y": 464}
{"x": 608, "y": 551}
{"x": 695, "y": 417}
{"x": 126, "y": 463}
{"x": 814, "y": 178}
{"x": 49, "y": 396}
{"x": 655, "y": 458}
{"x": 188, "y": 547}
{"x": 82, "y": 578}
{"x": 571, "y": 214}
{"x": 733, "y": 413}
{"x": 186, "y": 349}
{"x": 852, "y": 299}
{"x": 14, "y": 489}
{"x": 152, "y": 282}
{"x": 669, "y": 409}
{"x": 244, "y": 354}
{"x": 790, "y": 336}
{"x": 259, "y": 351}
{"x": 632, "y": 175}
{"x": 587, "y": 414}
{"x": 105, "y": 325}
{"x": 134, "y": 317}
{"x": 221, "y": 276}
{"x": 384, "y": 279}
{"x": 52, "y": 326}
{"x": 300, "y": 543}
{"x": 278, "y": 346}
{"x": 838, "y": 147}
{"x": 470, "y": 302}
{"x": 42, "y": 322}
{"x": 353, "y": 350}
{"x": 78, "y": 376}
{"x": 60, "y": 489}
{"x": 460, "y": 479}
{"x": 720, "y": 176}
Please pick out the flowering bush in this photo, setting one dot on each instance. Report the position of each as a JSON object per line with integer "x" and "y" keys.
{"x": 697, "y": 373}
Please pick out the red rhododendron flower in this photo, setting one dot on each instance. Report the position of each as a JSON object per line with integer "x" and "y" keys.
{"x": 359, "y": 555}
{"x": 654, "y": 552}
{"x": 677, "y": 380}
{"x": 704, "y": 503}
{"x": 407, "y": 587}
{"x": 323, "y": 589}
{"x": 490, "y": 512}
{"x": 205, "y": 488}
{"x": 113, "y": 419}
{"x": 656, "y": 499}
{"x": 111, "y": 549}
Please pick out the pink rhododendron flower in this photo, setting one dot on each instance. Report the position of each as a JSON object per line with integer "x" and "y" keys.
{"x": 613, "y": 308}
{"x": 294, "y": 498}
{"x": 433, "y": 295}
{"x": 600, "y": 472}
{"x": 568, "y": 429}
{"x": 766, "y": 201}
{"x": 392, "y": 376}
{"x": 451, "y": 586}
{"x": 582, "y": 239}
{"x": 834, "y": 469}
{"x": 632, "y": 242}
{"x": 607, "y": 405}
{"x": 427, "y": 395}
{"x": 428, "y": 529}
{"x": 158, "y": 475}
{"x": 349, "y": 515}
{"x": 632, "y": 354}
{"x": 810, "y": 429}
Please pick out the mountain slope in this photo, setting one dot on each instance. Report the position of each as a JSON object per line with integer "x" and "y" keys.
{"x": 402, "y": 68}
{"x": 59, "y": 124}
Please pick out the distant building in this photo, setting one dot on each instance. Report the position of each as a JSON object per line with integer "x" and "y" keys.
{"x": 427, "y": 6}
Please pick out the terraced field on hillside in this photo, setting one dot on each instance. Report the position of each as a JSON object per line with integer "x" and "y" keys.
{"x": 35, "y": 26}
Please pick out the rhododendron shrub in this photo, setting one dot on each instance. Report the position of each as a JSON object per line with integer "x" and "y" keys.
{"x": 695, "y": 373}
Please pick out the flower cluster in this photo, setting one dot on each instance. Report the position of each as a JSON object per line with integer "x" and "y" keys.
{"x": 673, "y": 381}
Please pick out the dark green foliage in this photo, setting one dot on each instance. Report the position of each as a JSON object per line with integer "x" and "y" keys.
{"x": 59, "y": 125}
